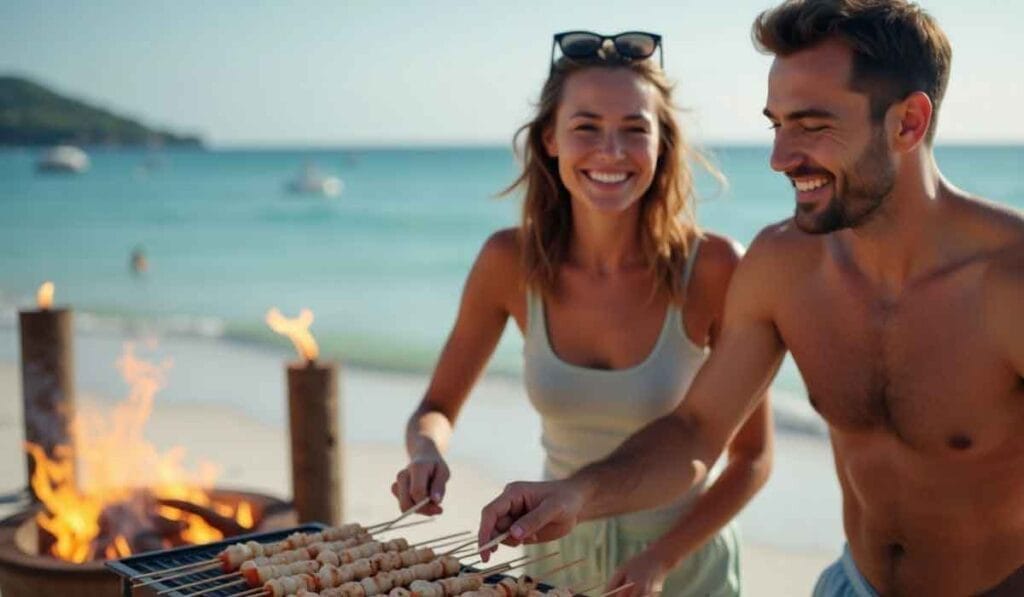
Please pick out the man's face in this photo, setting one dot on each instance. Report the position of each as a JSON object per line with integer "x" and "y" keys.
{"x": 825, "y": 141}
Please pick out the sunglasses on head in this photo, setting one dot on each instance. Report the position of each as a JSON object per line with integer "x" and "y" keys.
{"x": 632, "y": 45}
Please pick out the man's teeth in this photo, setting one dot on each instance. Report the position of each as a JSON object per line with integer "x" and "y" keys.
{"x": 607, "y": 177}
{"x": 810, "y": 184}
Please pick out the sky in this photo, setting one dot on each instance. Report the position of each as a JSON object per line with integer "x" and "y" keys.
{"x": 438, "y": 72}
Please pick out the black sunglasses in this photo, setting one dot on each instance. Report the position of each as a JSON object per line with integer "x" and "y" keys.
{"x": 633, "y": 45}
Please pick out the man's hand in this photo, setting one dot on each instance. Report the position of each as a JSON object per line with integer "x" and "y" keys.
{"x": 532, "y": 512}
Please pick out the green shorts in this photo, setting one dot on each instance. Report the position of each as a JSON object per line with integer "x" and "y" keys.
{"x": 711, "y": 571}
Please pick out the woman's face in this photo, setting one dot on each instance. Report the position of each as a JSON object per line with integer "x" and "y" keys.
{"x": 606, "y": 138}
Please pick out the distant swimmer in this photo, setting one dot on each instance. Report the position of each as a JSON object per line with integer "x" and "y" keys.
{"x": 138, "y": 262}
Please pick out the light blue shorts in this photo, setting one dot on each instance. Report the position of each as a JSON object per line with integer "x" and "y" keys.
{"x": 842, "y": 579}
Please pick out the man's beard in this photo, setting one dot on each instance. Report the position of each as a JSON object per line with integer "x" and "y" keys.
{"x": 865, "y": 188}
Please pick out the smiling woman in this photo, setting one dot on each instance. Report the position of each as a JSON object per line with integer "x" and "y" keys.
{"x": 620, "y": 114}
{"x": 606, "y": 140}
{"x": 619, "y": 297}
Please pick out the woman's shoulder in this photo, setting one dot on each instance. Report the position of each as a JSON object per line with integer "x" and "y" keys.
{"x": 717, "y": 258}
{"x": 500, "y": 258}
{"x": 503, "y": 248}
{"x": 498, "y": 272}
{"x": 506, "y": 241}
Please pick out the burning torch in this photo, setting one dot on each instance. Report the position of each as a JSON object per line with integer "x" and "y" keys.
{"x": 313, "y": 423}
{"x": 47, "y": 377}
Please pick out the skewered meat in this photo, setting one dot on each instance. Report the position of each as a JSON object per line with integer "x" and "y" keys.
{"x": 258, "y": 575}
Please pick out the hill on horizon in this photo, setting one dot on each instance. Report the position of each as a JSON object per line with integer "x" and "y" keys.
{"x": 33, "y": 115}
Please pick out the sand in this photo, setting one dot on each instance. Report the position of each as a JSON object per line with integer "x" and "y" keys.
{"x": 254, "y": 455}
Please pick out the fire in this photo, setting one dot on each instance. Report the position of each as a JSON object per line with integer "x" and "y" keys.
{"x": 96, "y": 509}
{"x": 44, "y": 296}
{"x": 119, "y": 549}
{"x": 297, "y": 331}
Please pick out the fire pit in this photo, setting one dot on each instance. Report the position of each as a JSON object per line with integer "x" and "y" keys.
{"x": 24, "y": 572}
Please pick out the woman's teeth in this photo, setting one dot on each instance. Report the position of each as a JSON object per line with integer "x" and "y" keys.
{"x": 607, "y": 177}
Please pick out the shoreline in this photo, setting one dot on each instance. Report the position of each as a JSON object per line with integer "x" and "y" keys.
{"x": 213, "y": 381}
{"x": 791, "y": 410}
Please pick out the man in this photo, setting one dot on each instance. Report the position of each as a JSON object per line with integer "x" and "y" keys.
{"x": 901, "y": 299}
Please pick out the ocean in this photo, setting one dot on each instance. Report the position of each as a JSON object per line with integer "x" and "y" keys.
{"x": 381, "y": 266}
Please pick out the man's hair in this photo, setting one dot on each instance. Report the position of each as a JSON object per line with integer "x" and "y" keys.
{"x": 897, "y": 47}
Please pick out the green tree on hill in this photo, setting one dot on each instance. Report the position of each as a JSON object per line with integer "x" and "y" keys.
{"x": 31, "y": 114}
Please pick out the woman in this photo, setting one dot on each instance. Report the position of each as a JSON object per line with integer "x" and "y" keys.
{"x": 619, "y": 297}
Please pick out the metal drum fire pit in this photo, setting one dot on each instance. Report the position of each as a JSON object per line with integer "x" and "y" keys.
{"x": 26, "y": 573}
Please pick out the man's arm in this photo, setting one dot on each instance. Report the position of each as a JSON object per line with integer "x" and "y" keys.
{"x": 669, "y": 456}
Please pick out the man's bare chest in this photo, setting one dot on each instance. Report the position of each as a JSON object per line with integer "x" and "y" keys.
{"x": 922, "y": 367}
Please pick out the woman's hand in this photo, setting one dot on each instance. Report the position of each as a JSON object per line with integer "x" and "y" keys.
{"x": 426, "y": 476}
{"x": 645, "y": 572}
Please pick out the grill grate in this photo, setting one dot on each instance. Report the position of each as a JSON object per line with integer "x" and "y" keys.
{"x": 163, "y": 560}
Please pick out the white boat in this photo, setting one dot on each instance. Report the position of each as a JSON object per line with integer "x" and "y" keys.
{"x": 313, "y": 182}
{"x": 64, "y": 158}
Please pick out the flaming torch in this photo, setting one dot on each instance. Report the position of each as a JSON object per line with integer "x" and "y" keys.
{"x": 47, "y": 377}
{"x": 313, "y": 423}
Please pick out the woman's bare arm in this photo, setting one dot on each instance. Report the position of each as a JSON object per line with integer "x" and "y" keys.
{"x": 483, "y": 313}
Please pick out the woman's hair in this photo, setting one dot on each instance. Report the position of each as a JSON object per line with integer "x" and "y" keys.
{"x": 667, "y": 220}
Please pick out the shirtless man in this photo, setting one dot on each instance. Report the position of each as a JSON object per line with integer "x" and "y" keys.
{"x": 901, "y": 299}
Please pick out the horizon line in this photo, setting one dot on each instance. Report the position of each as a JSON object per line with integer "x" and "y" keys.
{"x": 472, "y": 144}
{"x": 436, "y": 145}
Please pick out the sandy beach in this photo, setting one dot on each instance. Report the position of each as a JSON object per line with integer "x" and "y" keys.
{"x": 251, "y": 449}
{"x": 170, "y": 187}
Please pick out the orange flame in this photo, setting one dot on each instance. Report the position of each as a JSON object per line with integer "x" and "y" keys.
{"x": 118, "y": 549}
{"x": 44, "y": 296}
{"x": 244, "y": 515}
{"x": 118, "y": 467}
{"x": 297, "y": 331}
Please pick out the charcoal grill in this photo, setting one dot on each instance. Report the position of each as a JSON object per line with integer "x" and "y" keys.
{"x": 24, "y": 572}
{"x": 172, "y": 558}
{"x": 163, "y": 560}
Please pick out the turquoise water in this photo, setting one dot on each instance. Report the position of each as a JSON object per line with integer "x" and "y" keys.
{"x": 382, "y": 266}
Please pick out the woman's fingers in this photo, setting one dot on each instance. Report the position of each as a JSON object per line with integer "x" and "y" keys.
{"x": 402, "y": 486}
{"x": 438, "y": 483}
{"x": 418, "y": 480}
{"x": 420, "y": 474}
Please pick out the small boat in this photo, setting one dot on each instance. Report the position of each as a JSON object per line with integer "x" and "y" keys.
{"x": 313, "y": 182}
{"x": 64, "y": 158}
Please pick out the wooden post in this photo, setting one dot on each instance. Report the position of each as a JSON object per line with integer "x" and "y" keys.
{"x": 315, "y": 441}
{"x": 47, "y": 380}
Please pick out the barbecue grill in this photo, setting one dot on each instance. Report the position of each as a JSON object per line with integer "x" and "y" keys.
{"x": 26, "y": 570}
{"x": 164, "y": 560}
